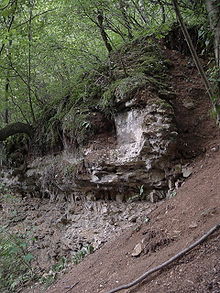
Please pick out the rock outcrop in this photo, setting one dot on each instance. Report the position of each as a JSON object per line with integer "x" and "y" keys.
{"x": 129, "y": 156}
{"x": 134, "y": 162}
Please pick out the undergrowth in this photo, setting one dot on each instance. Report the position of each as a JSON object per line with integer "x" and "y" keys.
{"x": 19, "y": 264}
{"x": 62, "y": 265}
{"x": 15, "y": 260}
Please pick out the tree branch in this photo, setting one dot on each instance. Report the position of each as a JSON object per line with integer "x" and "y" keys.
{"x": 36, "y": 15}
{"x": 15, "y": 128}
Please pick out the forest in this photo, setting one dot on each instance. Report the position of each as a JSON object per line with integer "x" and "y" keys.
{"x": 109, "y": 143}
{"x": 48, "y": 49}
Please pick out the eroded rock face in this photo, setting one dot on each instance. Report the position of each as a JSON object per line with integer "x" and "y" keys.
{"x": 145, "y": 146}
{"x": 135, "y": 163}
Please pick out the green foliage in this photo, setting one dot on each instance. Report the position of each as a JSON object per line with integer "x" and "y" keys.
{"x": 50, "y": 50}
{"x": 76, "y": 124}
{"x": 15, "y": 260}
{"x": 80, "y": 255}
{"x": 48, "y": 278}
{"x": 141, "y": 190}
{"x": 214, "y": 74}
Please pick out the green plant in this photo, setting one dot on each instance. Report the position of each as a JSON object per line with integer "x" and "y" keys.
{"x": 15, "y": 260}
{"x": 3, "y": 189}
{"x": 214, "y": 74}
{"x": 79, "y": 255}
{"x": 139, "y": 196}
{"x": 48, "y": 278}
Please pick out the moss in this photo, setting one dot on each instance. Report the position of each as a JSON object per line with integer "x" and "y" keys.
{"x": 76, "y": 124}
{"x": 135, "y": 65}
{"x": 163, "y": 105}
{"x": 149, "y": 64}
{"x": 128, "y": 85}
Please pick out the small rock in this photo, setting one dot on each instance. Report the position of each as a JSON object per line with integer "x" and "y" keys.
{"x": 193, "y": 225}
{"x": 90, "y": 197}
{"x": 189, "y": 105}
{"x": 178, "y": 183}
{"x": 171, "y": 184}
{"x": 153, "y": 196}
{"x": 137, "y": 250}
{"x": 64, "y": 220}
{"x": 133, "y": 219}
{"x": 119, "y": 197}
{"x": 146, "y": 220}
{"x": 104, "y": 210}
{"x": 215, "y": 148}
{"x": 171, "y": 194}
{"x": 186, "y": 172}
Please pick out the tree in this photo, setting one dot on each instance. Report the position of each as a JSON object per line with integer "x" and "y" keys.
{"x": 47, "y": 46}
{"x": 15, "y": 128}
{"x": 213, "y": 8}
{"x": 214, "y": 15}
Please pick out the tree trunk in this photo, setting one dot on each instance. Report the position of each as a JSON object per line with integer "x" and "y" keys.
{"x": 192, "y": 49}
{"x": 15, "y": 128}
{"x": 122, "y": 6}
{"x": 197, "y": 62}
{"x": 6, "y": 120}
{"x": 100, "y": 19}
{"x": 213, "y": 9}
{"x": 29, "y": 59}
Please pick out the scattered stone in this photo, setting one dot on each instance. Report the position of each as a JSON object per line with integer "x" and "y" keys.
{"x": 147, "y": 219}
{"x": 119, "y": 197}
{"x": 209, "y": 212}
{"x": 193, "y": 225}
{"x": 215, "y": 149}
{"x": 171, "y": 194}
{"x": 133, "y": 219}
{"x": 153, "y": 196}
{"x": 187, "y": 171}
{"x": 64, "y": 220}
{"x": 144, "y": 142}
{"x": 190, "y": 105}
{"x": 137, "y": 250}
{"x": 178, "y": 183}
{"x": 171, "y": 184}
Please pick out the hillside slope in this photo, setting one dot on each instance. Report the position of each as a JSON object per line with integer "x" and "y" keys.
{"x": 62, "y": 222}
{"x": 176, "y": 223}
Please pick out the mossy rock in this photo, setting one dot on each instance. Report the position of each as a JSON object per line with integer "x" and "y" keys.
{"x": 128, "y": 86}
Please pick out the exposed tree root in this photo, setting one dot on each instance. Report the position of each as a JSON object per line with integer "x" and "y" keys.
{"x": 15, "y": 128}
{"x": 166, "y": 263}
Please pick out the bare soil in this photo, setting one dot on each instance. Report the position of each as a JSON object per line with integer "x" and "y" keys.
{"x": 174, "y": 225}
